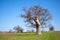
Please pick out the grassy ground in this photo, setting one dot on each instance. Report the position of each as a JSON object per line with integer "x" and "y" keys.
{"x": 30, "y": 36}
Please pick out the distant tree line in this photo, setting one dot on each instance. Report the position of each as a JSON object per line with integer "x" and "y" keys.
{"x": 19, "y": 29}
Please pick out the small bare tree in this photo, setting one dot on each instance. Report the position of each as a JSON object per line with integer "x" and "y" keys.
{"x": 36, "y": 16}
{"x": 18, "y": 29}
{"x": 10, "y": 30}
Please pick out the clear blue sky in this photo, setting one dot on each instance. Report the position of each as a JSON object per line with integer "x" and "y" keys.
{"x": 10, "y": 9}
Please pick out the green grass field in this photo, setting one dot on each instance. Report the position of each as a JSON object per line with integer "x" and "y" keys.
{"x": 30, "y": 36}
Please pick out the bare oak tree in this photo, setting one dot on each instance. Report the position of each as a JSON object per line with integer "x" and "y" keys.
{"x": 36, "y": 16}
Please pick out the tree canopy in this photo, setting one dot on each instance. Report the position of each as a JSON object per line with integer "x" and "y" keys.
{"x": 36, "y": 11}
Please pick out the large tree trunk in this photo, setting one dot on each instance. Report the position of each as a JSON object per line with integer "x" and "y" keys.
{"x": 38, "y": 30}
{"x": 38, "y": 26}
